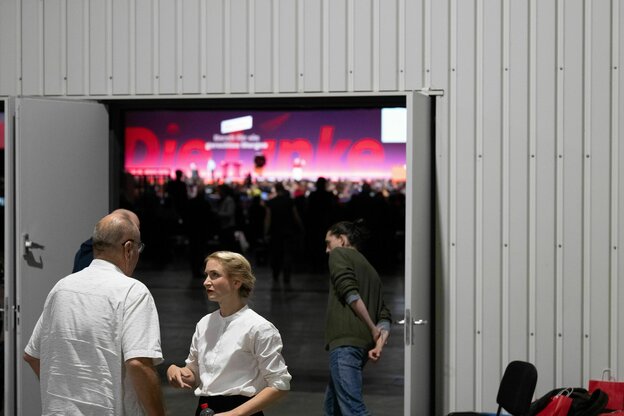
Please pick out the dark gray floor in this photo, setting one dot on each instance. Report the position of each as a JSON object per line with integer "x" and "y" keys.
{"x": 299, "y": 314}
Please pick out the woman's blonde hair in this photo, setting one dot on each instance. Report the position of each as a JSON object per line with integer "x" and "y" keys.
{"x": 236, "y": 265}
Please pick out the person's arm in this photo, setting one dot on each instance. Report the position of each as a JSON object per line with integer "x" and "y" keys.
{"x": 146, "y": 384}
{"x": 33, "y": 362}
{"x": 379, "y": 332}
{"x": 260, "y": 401}
{"x": 182, "y": 378}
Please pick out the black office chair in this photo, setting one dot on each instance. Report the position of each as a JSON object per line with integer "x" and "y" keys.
{"x": 515, "y": 391}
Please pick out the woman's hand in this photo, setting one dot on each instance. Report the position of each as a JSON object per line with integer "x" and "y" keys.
{"x": 181, "y": 378}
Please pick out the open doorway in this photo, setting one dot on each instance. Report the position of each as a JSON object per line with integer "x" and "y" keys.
{"x": 300, "y": 141}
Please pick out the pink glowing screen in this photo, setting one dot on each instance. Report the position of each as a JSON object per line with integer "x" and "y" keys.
{"x": 338, "y": 144}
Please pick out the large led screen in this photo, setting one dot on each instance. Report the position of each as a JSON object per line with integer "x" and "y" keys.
{"x": 299, "y": 144}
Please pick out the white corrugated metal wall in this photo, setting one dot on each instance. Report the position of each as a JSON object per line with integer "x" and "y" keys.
{"x": 529, "y": 185}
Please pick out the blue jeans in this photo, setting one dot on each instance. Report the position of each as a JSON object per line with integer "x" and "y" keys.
{"x": 343, "y": 396}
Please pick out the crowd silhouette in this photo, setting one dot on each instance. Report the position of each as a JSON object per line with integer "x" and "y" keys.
{"x": 280, "y": 224}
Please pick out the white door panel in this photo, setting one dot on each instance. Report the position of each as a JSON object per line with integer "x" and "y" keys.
{"x": 8, "y": 313}
{"x": 418, "y": 256}
{"x": 61, "y": 189}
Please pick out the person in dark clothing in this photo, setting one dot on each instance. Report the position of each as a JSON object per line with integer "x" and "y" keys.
{"x": 255, "y": 229}
{"x": 358, "y": 320}
{"x": 283, "y": 227}
{"x": 201, "y": 224}
{"x": 178, "y": 195}
{"x": 320, "y": 214}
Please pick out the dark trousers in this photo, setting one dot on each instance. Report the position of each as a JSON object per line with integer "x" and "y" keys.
{"x": 223, "y": 403}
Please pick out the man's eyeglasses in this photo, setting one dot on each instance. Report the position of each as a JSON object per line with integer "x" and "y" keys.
{"x": 139, "y": 244}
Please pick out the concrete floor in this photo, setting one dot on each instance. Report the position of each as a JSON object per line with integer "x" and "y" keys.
{"x": 299, "y": 313}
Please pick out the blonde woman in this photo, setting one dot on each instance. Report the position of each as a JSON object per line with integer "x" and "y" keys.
{"x": 235, "y": 363}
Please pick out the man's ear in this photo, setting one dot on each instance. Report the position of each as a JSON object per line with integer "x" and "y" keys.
{"x": 344, "y": 241}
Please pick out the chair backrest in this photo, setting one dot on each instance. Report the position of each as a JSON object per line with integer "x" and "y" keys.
{"x": 517, "y": 387}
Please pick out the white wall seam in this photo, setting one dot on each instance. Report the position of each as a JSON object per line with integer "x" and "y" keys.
{"x": 532, "y": 204}
{"x": 203, "y": 47}
{"x": 325, "y": 46}
{"x": 132, "y": 47}
{"x": 401, "y": 19}
{"x": 227, "y": 55}
{"x": 251, "y": 46}
{"x": 478, "y": 351}
{"x": 41, "y": 52}
{"x": 156, "y": 47}
{"x": 300, "y": 45}
{"x": 63, "y": 47}
{"x": 505, "y": 214}
{"x": 452, "y": 197}
{"x": 587, "y": 62}
{"x": 426, "y": 8}
{"x": 615, "y": 196}
{"x": 179, "y": 47}
{"x": 109, "y": 47}
{"x": 350, "y": 44}
{"x": 375, "y": 33}
{"x": 559, "y": 112}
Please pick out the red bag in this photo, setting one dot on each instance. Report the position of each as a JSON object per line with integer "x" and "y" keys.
{"x": 614, "y": 389}
{"x": 559, "y": 404}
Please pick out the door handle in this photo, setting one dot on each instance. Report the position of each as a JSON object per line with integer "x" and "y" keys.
{"x": 418, "y": 322}
{"x": 30, "y": 245}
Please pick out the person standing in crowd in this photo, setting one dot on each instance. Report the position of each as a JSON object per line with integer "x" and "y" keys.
{"x": 283, "y": 227}
{"x": 84, "y": 255}
{"x": 235, "y": 361}
{"x": 95, "y": 345}
{"x": 320, "y": 214}
{"x": 226, "y": 212}
{"x": 358, "y": 321}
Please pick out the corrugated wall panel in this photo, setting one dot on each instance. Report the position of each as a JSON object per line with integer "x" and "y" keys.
{"x": 600, "y": 187}
{"x": 144, "y": 40}
{"x": 544, "y": 192}
{"x": 414, "y": 42}
{"x": 123, "y": 54}
{"x": 77, "y": 47}
{"x": 191, "y": 53}
{"x": 362, "y": 45}
{"x": 238, "y": 46}
{"x": 572, "y": 156}
{"x": 98, "y": 75}
{"x": 518, "y": 162}
{"x": 387, "y": 63}
{"x": 464, "y": 71}
{"x": 215, "y": 45}
{"x": 287, "y": 51}
{"x": 620, "y": 235}
{"x": 614, "y": 323}
{"x": 8, "y": 47}
{"x": 312, "y": 45}
{"x": 32, "y": 47}
{"x": 489, "y": 154}
{"x": 54, "y": 46}
{"x": 337, "y": 44}
{"x": 263, "y": 41}
{"x": 167, "y": 46}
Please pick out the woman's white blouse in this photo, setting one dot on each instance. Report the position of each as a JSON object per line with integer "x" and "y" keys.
{"x": 237, "y": 354}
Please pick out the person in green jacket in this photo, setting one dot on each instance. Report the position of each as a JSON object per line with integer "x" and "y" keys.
{"x": 358, "y": 321}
